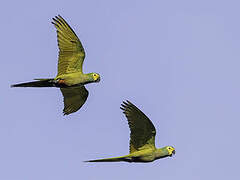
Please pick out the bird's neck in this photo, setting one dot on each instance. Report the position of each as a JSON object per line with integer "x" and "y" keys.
{"x": 87, "y": 78}
{"x": 161, "y": 153}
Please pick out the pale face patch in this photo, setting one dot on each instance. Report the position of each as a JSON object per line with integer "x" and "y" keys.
{"x": 96, "y": 77}
{"x": 170, "y": 150}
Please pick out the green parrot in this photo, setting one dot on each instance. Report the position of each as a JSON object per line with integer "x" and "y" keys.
{"x": 142, "y": 138}
{"x": 70, "y": 78}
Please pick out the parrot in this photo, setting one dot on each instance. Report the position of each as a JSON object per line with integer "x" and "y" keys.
{"x": 70, "y": 78}
{"x": 142, "y": 138}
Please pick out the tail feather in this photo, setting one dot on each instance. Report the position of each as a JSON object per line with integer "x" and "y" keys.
{"x": 37, "y": 83}
{"x": 116, "y": 159}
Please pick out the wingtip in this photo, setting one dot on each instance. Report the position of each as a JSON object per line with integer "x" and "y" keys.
{"x": 129, "y": 102}
{"x": 57, "y": 17}
{"x": 125, "y": 100}
{"x": 60, "y": 16}
{"x": 66, "y": 113}
{"x": 54, "y": 21}
{"x": 124, "y": 104}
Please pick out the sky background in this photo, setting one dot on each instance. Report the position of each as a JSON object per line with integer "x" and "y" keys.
{"x": 178, "y": 61}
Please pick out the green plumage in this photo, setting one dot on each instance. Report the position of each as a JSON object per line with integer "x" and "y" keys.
{"x": 70, "y": 77}
{"x": 142, "y": 138}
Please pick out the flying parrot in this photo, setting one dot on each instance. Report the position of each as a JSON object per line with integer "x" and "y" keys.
{"x": 142, "y": 138}
{"x": 70, "y": 78}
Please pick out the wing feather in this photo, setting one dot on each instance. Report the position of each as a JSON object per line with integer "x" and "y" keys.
{"x": 71, "y": 52}
{"x": 142, "y": 129}
{"x": 74, "y": 98}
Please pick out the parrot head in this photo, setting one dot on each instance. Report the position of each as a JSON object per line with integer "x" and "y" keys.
{"x": 165, "y": 152}
{"x": 95, "y": 77}
{"x": 170, "y": 150}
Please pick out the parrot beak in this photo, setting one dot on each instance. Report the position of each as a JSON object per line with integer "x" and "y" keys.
{"x": 98, "y": 79}
{"x": 173, "y": 152}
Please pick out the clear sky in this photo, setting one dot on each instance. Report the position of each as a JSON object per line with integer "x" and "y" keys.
{"x": 178, "y": 61}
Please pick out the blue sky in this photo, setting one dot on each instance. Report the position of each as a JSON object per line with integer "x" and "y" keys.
{"x": 178, "y": 61}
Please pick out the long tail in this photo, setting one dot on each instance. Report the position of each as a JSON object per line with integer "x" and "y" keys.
{"x": 37, "y": 83}
{"x": 115, "y": 159}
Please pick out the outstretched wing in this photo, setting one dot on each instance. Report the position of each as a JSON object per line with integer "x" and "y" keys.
{"x": 71, "y": 52}
{"x": 142, "y": 129}
{"x": 74, "y": 98}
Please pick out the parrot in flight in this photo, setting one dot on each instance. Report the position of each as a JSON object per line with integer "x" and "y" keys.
{"x": 142, "y": 138}
{"x": 70, "y": 77}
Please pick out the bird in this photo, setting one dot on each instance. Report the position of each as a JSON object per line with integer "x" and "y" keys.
{"x": 142, "y": 138}
{"x": 70, "y": 77}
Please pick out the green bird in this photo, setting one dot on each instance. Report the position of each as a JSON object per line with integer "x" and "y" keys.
{"x": 142, "y": 138}
{"x": 70, "y": 78}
